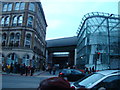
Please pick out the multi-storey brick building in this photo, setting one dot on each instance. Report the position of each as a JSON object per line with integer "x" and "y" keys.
{"x": 23, "y": 30}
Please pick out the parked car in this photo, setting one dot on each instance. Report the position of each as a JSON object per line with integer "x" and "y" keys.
{"x": 71, "y": 74}
{"x": 107, "y": 79}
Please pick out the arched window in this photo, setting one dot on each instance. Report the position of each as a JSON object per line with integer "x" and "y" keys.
{"x": 30, "y": 21}
{"x": 20, "y": 20}
{"x": 12, "y": 37}
{"x": 32, "y": 6}
{"x": 14, "y": 21}
{"x": 9, "y": 6}
{"x": 22, "y": 6}
{"x": 17, "y": 6}
{"x": 17, "y": 38}
{"x": 4, "y": 37}
{"x": 2, "y": 21}
{"x": 5, "y": 7}
{"x": 7, "y": 19}
{"x": 28, "y": 41}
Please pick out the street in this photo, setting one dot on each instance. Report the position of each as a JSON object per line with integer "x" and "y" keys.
{"x": 17, "y": 81}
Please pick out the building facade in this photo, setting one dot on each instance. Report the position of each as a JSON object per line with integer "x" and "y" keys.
{"x": 23, "y": 32}
{"x": 98, "y": 41}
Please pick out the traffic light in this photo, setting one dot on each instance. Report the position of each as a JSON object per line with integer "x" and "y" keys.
{"x": 98, "y": 55}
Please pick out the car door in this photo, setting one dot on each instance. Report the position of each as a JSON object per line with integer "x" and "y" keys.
{"x": 111, "y": 83}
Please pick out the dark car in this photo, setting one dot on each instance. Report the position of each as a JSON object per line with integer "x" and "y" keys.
{"x": 71, "y": 74}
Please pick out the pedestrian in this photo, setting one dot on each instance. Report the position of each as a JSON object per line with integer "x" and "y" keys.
{"x": 93, "y": 69}
{"x": 54, "y": 70}
{"x": 50, "y": 69}
{"x": 31, "y": 71}
{"x": 8, "y": 68}
{"x": 86, "y": 70}
{"x": 26, "y": 70}
{"x": 55, "y": 83}
{"x": 22, "y": 69}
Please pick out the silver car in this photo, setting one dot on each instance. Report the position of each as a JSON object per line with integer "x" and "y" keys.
{"x": 107, "y": 79}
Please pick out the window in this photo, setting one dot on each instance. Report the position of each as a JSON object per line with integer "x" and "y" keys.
{"x": 28, "y": 41}
{"x": 14, "y": 20}
{"x": 9, "y": 6}
{"x": 112, "y": 83}
{"x": 17, "y": 6}
{"x": 17, "y": 38}
{"x": 2, "y": 21}
{"x": 22, "y": 6}
{"x": 5, "y": 7}
{"x": 20, "y": 20}
{"x": 31, "y": 6}
{"x": 11, "y": 43}
{"x": 30, "y": 21}
{"x": 4, "y": 37}
{"x": 7, "y": 19}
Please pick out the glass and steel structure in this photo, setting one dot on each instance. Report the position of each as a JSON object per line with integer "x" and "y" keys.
{"x": 99, "y": 32}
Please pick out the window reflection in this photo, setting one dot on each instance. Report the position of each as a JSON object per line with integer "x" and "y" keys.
{"x": 17, "y": 6}
{"x": 20, "y": 19}
{"x": 14, "y": 20}
{"x": 5, "y": 7}
{"x": 22, "y": 6}
{"x": 7, "y": 21}
{"x": 2, "y": 21}
{"x": 31, "y": 6}
{"x": 30, "y": 21}
{"x": 10, "y": 7}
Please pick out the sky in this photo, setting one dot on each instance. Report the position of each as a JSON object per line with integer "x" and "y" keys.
{"x": 64, "y": 16}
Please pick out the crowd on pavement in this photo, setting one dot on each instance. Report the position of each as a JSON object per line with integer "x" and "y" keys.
{"x": 18, "y": 69}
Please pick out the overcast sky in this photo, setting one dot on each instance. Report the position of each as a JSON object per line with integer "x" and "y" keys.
{"x": 64, "y": 16}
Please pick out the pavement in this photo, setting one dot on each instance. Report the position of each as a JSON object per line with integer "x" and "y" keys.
{"x": 37, "y": 73}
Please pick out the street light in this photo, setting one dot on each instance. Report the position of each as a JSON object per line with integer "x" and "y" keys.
{"x": 108, "y": 40}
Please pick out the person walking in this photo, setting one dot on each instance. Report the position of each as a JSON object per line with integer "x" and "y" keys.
{"x": 54, "y": 70}
{"x": 22, "y": 69}
{"x": 50, "y": 69}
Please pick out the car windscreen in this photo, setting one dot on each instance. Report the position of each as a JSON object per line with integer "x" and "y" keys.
{"x": 90, "y": 80}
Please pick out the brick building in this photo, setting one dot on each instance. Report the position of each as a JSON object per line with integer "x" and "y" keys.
{"x": 23, "y": 31}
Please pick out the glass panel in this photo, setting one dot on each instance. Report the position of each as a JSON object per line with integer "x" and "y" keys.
{"x": 20, "y": 19}
{"x": 10, "y": 7}
{"x": 91, "y": 80}
{"x": 5, "y": 7}
{"x": 7, "y": 21}
{"x": 15, "y": 21}
{"x": 32, "y": 7}
{"x": 17, "y": 6}
{"x": 22, "y": 6}
{"x": 2, "y": 21}
{"x": 30, "y": 21}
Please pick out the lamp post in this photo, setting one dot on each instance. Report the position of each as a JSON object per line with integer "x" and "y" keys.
{"x": 108, "y": 41}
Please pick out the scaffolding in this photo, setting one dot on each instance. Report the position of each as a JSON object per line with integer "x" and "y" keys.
{"x": 99, "y": 32}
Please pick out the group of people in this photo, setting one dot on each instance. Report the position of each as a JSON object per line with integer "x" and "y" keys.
{"x": 89, "y": 70}
{"x": 18, "y": 68}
